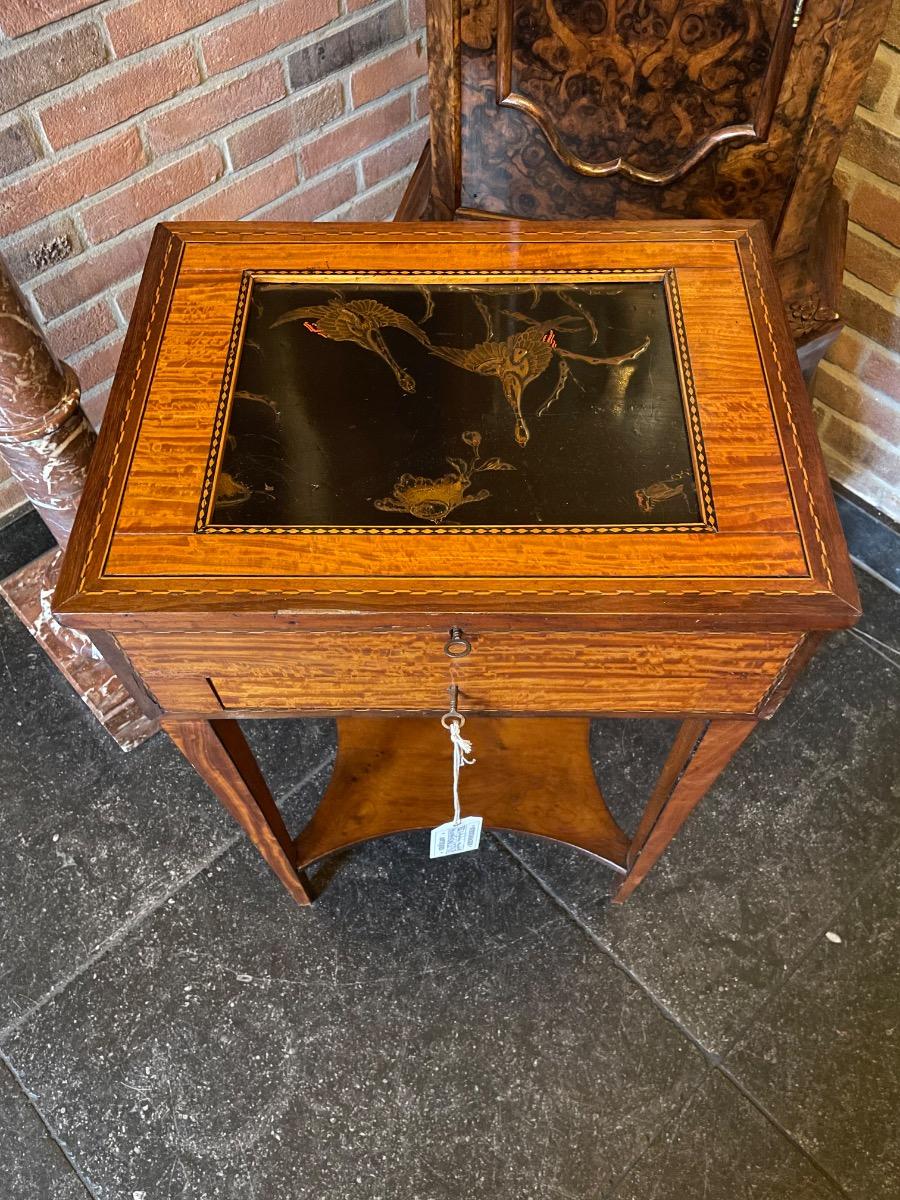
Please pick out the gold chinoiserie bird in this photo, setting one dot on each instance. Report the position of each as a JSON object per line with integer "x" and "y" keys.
{"x": 359, "y": 321}
{"x": 524, "y": 357}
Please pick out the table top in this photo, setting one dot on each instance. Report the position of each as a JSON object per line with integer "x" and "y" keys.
{"x": 328, "y": 424}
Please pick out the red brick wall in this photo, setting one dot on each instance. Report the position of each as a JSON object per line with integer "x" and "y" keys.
{"x": 115, "y": 114}
{"x": 857, "y": 389}
{"x": 119, "y": 112}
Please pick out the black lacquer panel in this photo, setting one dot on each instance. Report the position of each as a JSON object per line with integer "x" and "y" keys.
{"x": 447, "y": 406}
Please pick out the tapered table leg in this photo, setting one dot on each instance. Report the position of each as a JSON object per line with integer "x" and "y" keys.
{"x": 701, "y": 751}
{"x": 219, "y": 753}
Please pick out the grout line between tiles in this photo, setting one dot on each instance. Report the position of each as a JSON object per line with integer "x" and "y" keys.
{"x": 740, "y": 1036}
{"x": 50, "y": 1131}
{"x": 711, "y": 1059}
{"x": 715, "y": 1060}
{"x": 815, "y": 941}
{"x": 754, "y": 1103}
{"x": 114, "y": 939}
{"x": 711, "y": 1056}
{"x": 659, "y": 1133}
{"x": 877, "y": 647}
{"x": 785, "y": 1133}
{"x": 146, "y": 910}
{"x": 864, "y": 566}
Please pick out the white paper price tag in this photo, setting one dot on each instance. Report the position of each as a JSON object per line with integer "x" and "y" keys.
{"x": 455, "y": 837}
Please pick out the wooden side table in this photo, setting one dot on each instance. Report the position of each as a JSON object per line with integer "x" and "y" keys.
{"x": 565, "y": 470}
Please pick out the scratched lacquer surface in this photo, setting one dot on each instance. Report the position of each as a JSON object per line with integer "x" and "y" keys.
{"x": 405, "y": 406}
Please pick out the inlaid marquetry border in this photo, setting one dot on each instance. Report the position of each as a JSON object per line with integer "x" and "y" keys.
{"x": 664, "y": 275}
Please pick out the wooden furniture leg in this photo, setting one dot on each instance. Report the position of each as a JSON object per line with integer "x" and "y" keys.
{"x": 218, "y": 752}
{"x": 701, "y": 751}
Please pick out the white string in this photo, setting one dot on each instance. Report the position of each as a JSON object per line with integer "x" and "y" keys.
{"x": 461, "y": 747}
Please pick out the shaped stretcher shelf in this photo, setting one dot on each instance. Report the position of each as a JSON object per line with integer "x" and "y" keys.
{"x": 388, "y": 778}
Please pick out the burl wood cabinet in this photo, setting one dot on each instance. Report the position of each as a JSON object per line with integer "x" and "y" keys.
{"x": 646, "y": 109}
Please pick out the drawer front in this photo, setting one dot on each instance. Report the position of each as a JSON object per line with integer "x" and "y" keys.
{"x": 506, "y": 672}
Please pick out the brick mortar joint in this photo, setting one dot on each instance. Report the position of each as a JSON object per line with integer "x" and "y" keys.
{"x": 382, "y": 185}
{"x": 288, "y": 100}
{"x": 864, "y": 431}
{"x": 222, "y": 182}
{"x": 344, "y": 20}
{"x": 51, "y": 157}
{"x": 331, "y": 214}
{"x": 851, "y": 379}
{"x": 104, "y": 343}
{"x": 151, "y": 164}
{"x": 397, "y": 177}
{"x": 147, "y": 171}
{"x": 863, "y": 481}
{"x": 112, "y": 69}
{"x": 871, "y": 116}
{"x": 303, "y": 188}
{"x": 139, "y": 120}
{"x": 860, "y": 174}
{"x": 187, "y": 38}
{"x": 416, "y": 125}
{"x": 864, "y": 288}
{"x": 232, "y": 16}
{"x": 13, "y": 44}
{"x": 873, "y": 347}
{"x": 875, "y": 240}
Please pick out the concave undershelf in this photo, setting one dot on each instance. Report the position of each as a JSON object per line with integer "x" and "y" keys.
{"x": 533, "y": 775}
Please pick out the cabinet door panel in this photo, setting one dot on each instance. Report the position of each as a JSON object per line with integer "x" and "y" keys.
{"x": 644, "y": 88}
{"x": 646, "y": 109}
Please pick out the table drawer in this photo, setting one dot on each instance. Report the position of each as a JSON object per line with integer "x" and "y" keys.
{"x": 506, "y": 672}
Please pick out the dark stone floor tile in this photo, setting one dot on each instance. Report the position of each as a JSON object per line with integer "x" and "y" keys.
{"x": 427, "y": 1029}
{"x": 721, "y": 1147}
{"x": 802, "y": 813}
{"x": 824, "y": 1055}
{"x": 286, "y": 749}
{"x": 628, "y": 756}
{"x": 22, "y": 541}
{"x": 91, "y": 836}
{"x": 32, "y": 1167}
{"x": 874, "y": 542}
{"x": 879, "y": 626}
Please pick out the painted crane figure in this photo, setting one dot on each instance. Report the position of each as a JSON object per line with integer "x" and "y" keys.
{"x": 523, "y": 357}
{"x": 359, "y": 321}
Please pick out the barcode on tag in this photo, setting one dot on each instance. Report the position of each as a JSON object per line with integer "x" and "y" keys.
{"x": 456, "y": 838}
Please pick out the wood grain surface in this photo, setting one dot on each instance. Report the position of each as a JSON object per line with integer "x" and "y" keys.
{"x": 651, "y": 111}
{"x": 537, "y": 672}
{"x": 219, "y": 753}
{"x": 777, "y": 551}
{"x": 700, "y": 753}
{"x": 704, "y": 623}
{"x": 388, "y": 777}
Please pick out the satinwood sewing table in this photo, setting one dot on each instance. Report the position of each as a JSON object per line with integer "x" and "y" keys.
{"x": 566, "y": 470}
